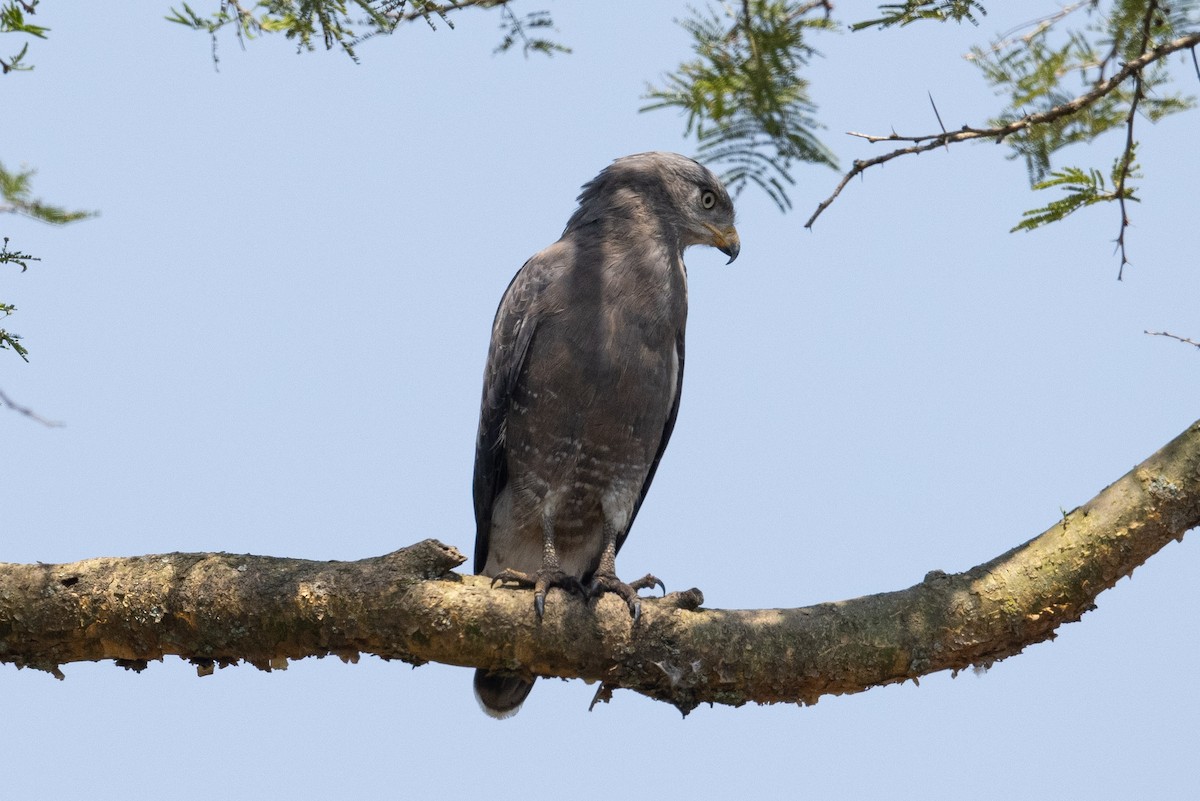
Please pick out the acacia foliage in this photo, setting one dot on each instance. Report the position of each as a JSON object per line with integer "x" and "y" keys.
{"x": 1080, "y": 72}
{"x": 748, "y": 105}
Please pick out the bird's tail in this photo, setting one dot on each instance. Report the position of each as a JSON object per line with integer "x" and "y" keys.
{"x": 500, "y": 694}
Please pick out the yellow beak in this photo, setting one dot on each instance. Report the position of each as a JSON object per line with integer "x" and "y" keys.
{"x": 728, "y": 241}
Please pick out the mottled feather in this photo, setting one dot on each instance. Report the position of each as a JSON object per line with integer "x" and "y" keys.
{"x": 582, "y": 385}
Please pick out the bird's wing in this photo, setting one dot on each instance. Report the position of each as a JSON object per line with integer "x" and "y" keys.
{"x": 512, "y": 334}
{"x": 668, "y": 427}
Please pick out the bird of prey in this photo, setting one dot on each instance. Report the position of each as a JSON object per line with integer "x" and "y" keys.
{"x": 582, "y": 383}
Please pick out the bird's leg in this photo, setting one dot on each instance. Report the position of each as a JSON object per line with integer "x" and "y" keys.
{"x": 550, "y": 574}
{"x": 605, "y": 578}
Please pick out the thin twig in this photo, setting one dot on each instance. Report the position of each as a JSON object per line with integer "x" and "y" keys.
{"x": 1039, "y": 25}
{"x": 1127, "y": 156}
{"x": 6, "y": 401}
{"x": 800, "y": 11}
{"x": 928, "y": 142}
{"x": 424, "y": 9}
{"x": 1184, "y": 340}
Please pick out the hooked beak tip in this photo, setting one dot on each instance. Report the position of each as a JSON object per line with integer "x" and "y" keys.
{"x": 731, "y": 248}
{"x": 728, "y": 242}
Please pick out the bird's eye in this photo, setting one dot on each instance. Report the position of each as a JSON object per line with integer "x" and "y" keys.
{"x": 708, "y": 199}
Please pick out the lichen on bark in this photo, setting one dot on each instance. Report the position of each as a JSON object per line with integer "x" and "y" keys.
{"x": 218, "y": 609}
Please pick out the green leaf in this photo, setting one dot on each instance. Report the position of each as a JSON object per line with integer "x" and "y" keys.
{"x": 13, "y": 257}
{"x": 1082, "y": 189}
{"x": 15, "y": 191}
{"x": 743, "y": 97}
{"x": 345, "y": 24}
{"x": 12, "y": 20}
{"x": 520, "y": 29}
{"x": 12, "y": 341}
{"x": 1054, "y": 62}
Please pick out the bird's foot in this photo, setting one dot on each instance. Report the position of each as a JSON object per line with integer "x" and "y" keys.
{"x": 541, "y": 582}
{"x": 608, "y": 582}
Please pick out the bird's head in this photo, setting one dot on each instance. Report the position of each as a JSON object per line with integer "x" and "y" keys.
{"x": 684, "y": 196}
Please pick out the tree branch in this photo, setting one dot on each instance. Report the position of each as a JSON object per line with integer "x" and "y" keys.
{"x": 219, "y": 609}
{"x": 922, "y": 143}
{"x": 1169, "y": 335}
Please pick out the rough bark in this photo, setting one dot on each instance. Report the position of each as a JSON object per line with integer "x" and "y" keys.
{"x": 219, "y": 609}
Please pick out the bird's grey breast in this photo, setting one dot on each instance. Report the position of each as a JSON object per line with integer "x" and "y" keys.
{"x": 590, "y": 407}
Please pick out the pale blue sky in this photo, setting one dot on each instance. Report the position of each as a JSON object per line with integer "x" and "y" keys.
{"x": 272, "y": 340}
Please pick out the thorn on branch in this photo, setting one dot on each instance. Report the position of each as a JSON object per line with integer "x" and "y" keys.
{"x": 941, "y": 124}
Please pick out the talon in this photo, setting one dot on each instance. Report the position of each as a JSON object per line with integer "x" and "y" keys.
{"x": 540, "y": 582}
{"x": 515, "y": 577}
{"x": 648, "y": 582}
{"x": 607, "y": 582}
